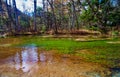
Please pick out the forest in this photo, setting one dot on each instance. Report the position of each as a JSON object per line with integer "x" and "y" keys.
{"x": 59, "y": 38}
{"x": 61, "y": 16}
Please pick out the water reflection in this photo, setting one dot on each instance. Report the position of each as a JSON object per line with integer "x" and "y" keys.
{"x": 45, "y": 57}
{"x": 28, "y": 58}
{"x": 39, "y": 64}
{"x": 17, "y": 61}
{"x": 116, "y": 75}
{"x": 42, "y": 57}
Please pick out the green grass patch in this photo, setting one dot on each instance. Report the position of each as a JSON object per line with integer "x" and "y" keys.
{"x": 105, "y": 53}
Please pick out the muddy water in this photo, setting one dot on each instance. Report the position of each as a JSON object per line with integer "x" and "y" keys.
{"x": 30, "y": 61}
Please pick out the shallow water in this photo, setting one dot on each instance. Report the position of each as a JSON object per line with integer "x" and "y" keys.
{"x": 116, "y": 75}
{"x": 31, "y": 61}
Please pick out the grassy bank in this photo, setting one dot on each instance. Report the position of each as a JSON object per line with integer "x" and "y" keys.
{"x": 100, "y": 51}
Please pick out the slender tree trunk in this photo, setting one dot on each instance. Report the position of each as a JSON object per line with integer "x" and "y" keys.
{"x": 17, "y": 28}
{"x": 44, "y": 17}
{"x": 35, "y": 5}
{"x": 61, "y": 15}
{"x": 1, "y": 14}
{"x": 47, "y": 16}
{"x": 75, "y": 14}
{"x": 72, "y": 17}
{"x": 10, "y": 20}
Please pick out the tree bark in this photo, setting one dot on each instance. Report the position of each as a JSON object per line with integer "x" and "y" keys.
{"x": 35, "y": 5}
{"x": 75, "y": 14}
{"x": 10, "y": 20}
{"x": 17, "y": 28}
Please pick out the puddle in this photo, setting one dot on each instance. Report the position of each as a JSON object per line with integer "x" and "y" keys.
{"x": 115, "y": 72}
{"x": 94, "y": 74}
{"x": 116, "y": 75}
{"x": 27, "y": 58}
{"x": 29, "y": 61}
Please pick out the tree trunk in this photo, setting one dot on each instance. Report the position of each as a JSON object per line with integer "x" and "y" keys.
{"x": 10, "y": 20}
{"x": 35, "y": 5}
{"x": 17, "y": 28}
{"x": 75, "y": 14}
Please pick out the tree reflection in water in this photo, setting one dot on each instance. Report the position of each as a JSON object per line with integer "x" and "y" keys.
{"x": 26, "y": 59}
{"x": 29, "y": 57}
{"x": 30, "y": 62}
{"x": 17, "y": 61}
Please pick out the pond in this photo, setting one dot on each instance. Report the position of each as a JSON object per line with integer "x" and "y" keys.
{"x": 32, "y": 61}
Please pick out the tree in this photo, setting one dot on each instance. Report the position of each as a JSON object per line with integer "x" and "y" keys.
{"x": 51, "y": 3}
{"x": 9, "y": 12}
{"x": 35, "y": 5}
{"x": 75, "y": 13}
{"x": 17, "y": 27}
{"x": 98, "y": 13}
{"x": 66, "y": 15}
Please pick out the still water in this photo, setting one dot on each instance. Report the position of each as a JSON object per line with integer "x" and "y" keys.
{"x": 31, "y": 61}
